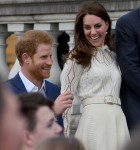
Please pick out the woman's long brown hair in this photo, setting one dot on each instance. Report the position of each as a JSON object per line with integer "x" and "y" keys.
{"x": 83, "y": 51}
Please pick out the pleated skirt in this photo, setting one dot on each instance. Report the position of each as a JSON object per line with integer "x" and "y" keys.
{"x": 103, "y": 127}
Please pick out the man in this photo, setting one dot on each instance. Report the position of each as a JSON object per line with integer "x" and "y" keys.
{"x": 34, "y": 52}
{"x": 39, "y": 118}
{"x": 11, "y": 122}
{"x": 128, "y": 53}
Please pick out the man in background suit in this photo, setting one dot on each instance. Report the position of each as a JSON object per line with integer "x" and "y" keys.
{"x": 128, "y": 54}
{"x": 34, "y": 52}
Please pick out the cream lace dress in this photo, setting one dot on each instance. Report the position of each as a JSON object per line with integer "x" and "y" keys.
{"x": 102, "y": 125}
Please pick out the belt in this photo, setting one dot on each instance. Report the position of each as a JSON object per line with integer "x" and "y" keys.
{"x": 109, "y": 99}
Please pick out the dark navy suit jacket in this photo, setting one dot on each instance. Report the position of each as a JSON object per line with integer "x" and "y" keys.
{"x": 52, "y": 90}
{"x": 128, "y": 54}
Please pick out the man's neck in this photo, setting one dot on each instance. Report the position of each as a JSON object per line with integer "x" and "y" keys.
{"x": 31, "y": 78}
{"x": 27, "y": 148}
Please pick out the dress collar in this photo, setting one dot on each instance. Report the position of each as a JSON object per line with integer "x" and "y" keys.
{"x": 103, "y": 48}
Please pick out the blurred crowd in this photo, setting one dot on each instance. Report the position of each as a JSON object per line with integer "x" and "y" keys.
{"x": 27, "y": 122}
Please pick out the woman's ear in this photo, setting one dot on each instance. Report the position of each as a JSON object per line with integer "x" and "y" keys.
{"x": 107, "y": 25}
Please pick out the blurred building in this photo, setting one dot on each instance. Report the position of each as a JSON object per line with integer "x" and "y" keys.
{"x": 54, "y": 16}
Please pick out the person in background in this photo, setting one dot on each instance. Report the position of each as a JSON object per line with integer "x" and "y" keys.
{"x": 39, "y": 119}
{"x": 11, "y": 121}
{"x": 134, "y": 144}
{"x": 34, "y": 52}
{"x": 128, "y": 55}
{"x": 91, "y": 73}
{"x": 61, "y": 143}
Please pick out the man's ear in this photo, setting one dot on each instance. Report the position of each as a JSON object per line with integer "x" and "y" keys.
{"x": 27, "y": 139}
{"x": 26, "y": 58}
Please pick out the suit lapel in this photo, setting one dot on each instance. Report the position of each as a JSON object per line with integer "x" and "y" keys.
{"x": 19, "y": 84}
{"x": 49, "y": 91}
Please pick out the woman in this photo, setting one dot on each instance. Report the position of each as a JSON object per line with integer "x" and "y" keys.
{"x": 61, "y": 143}
{"x": 92, "y": 74}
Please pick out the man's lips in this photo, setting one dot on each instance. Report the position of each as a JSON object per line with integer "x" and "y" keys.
{"x": 46, "y": 68}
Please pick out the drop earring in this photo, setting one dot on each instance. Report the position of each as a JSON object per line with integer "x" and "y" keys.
{"x": 106, "y": 32}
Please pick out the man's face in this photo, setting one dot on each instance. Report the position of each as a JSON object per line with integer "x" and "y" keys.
{"x": 46, "y": 126}
{"x": 11, "y": 124}
{"x": 41, "y": 62}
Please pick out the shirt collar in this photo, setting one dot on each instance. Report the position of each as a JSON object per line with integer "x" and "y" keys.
{"x": 30, "y": 87}
{"x": 42, "y": 86}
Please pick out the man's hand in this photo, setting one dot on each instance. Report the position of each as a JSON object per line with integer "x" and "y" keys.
{"x": 63, "y": 102}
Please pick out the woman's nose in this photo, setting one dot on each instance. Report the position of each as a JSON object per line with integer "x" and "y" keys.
{"x": 93, "y": 31}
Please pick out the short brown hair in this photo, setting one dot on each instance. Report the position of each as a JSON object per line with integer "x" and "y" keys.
{"x": 61, "y": 143}
{"x": 29, "y": 42}
{"x": 30, "y": 103}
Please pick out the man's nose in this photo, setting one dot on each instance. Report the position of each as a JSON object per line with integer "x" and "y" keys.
{"x": 49, "y": 61}
{"x": 58, "y": 129}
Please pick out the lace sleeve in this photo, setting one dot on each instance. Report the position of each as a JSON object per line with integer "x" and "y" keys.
{"x": 69, "y": 82}
{"x": 70, "y": 76}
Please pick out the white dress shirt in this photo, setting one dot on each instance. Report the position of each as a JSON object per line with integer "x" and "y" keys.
{"x": 30, "y": 87}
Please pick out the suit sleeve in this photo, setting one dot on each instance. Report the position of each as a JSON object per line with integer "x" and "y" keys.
{"x": 128, "y": 53}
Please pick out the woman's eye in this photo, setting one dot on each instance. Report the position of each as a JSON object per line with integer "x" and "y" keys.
{"x": 97, "y": 26}
{"x": 87, "y": 27}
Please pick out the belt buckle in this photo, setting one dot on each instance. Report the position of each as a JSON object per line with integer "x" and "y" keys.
{"x": 109, "y": 99}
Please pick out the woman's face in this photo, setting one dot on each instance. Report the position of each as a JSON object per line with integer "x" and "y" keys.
{"x": 95, "y": 30}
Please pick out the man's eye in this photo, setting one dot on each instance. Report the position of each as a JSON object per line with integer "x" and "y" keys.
{"x": 49, "y": 125}
{"x": 43, "y": 57}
